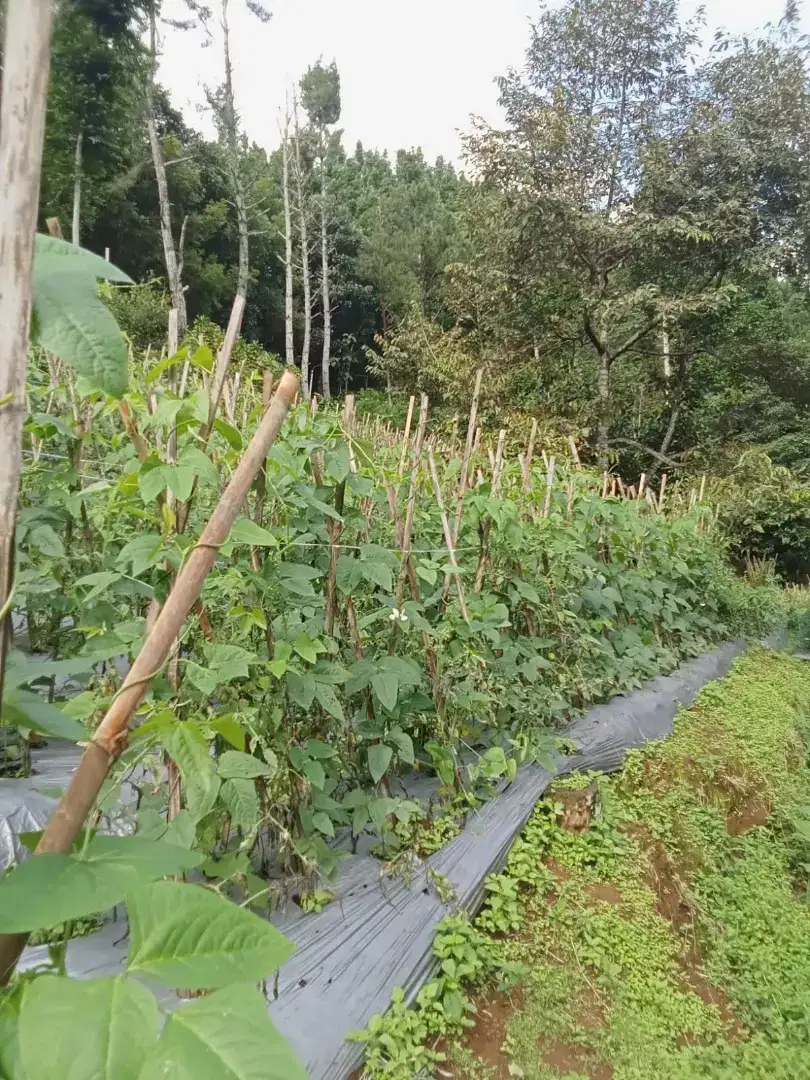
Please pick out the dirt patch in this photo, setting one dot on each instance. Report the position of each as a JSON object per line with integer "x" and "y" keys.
{"x": 486, "y": 1039}
{"x": 564, "y": 1058}
{"x": 666, "y": 881}
{"x": 749, "y": 815}
{"x": 604, "y": 892}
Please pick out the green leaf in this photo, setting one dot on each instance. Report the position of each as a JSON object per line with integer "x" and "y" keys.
{"x": 166, "y": 363}
{"x": 379, "y": 758}
{"x": 49, "y": 251}
{"x": 404, "y": 744}
{"x": 313, "y": 770}
{"x": 328, "y": 700}
{"x": 11, "y": 1067}
{"x": 229, "y": 433}
{"x": 226, "y": 1036}
{"x": 50, "y": 889}
{"x": 94, "y": 1029}
{"x": 75, "y": 325}
{"x": 29, "y": 710}
{"x": 188, "y": 748}
{"x": 230, "y": 729}
{"x": 234, "y": 765}
{"x": 301, "y": 689}
{"x": 305, "y": 647}
{"x": 241, "y": 801}
{"x": 317, "y": 749}
{"x": 46, "y": 540}
{"x": 225, "y": 662}
{"x": 297, "y": 578}
{"x": 245, "y": 531}
{"x": 385, "y": 685}
{"x": 323, "y": 823}
{"x": 378, "y": 574}
{"x": 194, "y": 939}
{"x": 100, "y": 583}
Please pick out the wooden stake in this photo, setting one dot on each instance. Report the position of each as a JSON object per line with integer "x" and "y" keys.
{"x": 574, "y": 452}
{"x": 527, "y": 464}
{"x": 605, "y": 480}
{"x": 549, "y": 485}
{"x": 570, "y": 492}
{"x": 448, "y": 537}
{"x": 406, "y": 436}
{"x": 702, "y": 488}
{"x": 407, "y": 530}
{"x": 110, "y": 738}
{"x": 642, "y": 480}
{"x": 334, "y": 529}
{"x": 661, "y": 493}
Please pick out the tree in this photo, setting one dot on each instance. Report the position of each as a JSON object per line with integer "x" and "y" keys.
{"x": 320, "y": 97}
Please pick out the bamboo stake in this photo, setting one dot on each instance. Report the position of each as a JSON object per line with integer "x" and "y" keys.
{"x": 110, "y": 738}
{"x": 527, "y": 464}
{"x": 334, "y": 529}
{"x": 574, "y": 452}
{"x": 642, "y": 480}
{"x": 483, "y": 551}
{"x": 570, "y": 493}
{"x": 406, "y": 437}
{"x": 605, "y": 480}
{"x": 613, "y": 488}
{"x": 661, "y": 493}
{"x": 448, "y": 537}
{"x": 407, "y": 529}
{"x": 702, "y": 488}
{"x": 549, "y": 485}
{"x": 545, "y": 460}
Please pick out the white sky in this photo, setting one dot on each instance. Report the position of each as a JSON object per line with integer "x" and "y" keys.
{"x": 412, "y": 71}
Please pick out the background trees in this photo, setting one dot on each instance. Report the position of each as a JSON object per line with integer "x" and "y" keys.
{"x": 628, "y": 254}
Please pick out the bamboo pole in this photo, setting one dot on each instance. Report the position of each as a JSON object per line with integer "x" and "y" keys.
{"x": 702, "y": 488}
{"x": 448, "y": 537}
{"x": 334, "y": 529}
{"x": 605, "y": 481}
{"x": 661, "y": 493}
{"x": 407, "y": 529}
{"x": 549, "y": 485}
{"x": 486, "y": 528}
{"x": 570, "y": 493}
{"x": 527, "y": 462}
{"x": 406, "y": 437}
{"x": 574, "y": 452}
{"x": 110, "y": 738}
{"x": 642, "y": 480}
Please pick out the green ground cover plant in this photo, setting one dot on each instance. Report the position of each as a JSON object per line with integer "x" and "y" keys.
{"x": 670, "y": 937}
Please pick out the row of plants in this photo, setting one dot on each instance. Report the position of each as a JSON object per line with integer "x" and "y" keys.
{"x": 668, "y": 937}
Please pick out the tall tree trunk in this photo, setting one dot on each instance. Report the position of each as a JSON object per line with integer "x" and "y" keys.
{"x": 603, "y": 395}
{"x": 325, "y": 292}
{"x": 303, "y": 234}
{"x": 159, "y": 161}
{"x": 289, "y": 340}
{"x": 231, "y": 132}
{"x": 26, "y": 66}
{"x": 77, "y": 189}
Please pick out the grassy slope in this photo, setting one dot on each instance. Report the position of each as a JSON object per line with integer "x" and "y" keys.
{"x": 672, "y": 938}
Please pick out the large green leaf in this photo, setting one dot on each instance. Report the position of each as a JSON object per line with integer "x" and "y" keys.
{"x": 189, "y": 749}
{"x": 242, "y": 803}
{"x": 379, "y": 758}
{"x": 226, "y": 1036}
{"x": 74, "y": 324}
{"x": 86, "y": 1029}
{"x": 197, "y": 940}
{"x": 51, "y": 253}
{"x": 50, "y": 889}
{"x": 245, "y": 531}
{"x": 235, "y": 765}
{"x": 29, "y": 710}
{"x": 10, "y": 1062}
{"x": 386, "y": 686}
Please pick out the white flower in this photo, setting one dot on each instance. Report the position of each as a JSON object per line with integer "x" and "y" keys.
{"x": 396, "y": 614}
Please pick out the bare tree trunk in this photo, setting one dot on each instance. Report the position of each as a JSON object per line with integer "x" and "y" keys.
{"x": 231, "y": 132}
{"x": 289, "y": 340}
{"x": 603, "y": 395}
{"x": 325, "y": 292}
{"x": 169, "y": 251}
{"x": 77, "y": 190}
{"x": 302, "y": 229}
{"x": 26, "y": 66}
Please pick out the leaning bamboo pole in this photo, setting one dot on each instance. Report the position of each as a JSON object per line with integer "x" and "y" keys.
{"x": 110, "y": 738}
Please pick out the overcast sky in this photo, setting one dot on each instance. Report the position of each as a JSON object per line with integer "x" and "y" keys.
{"x": 412, "y": 71}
